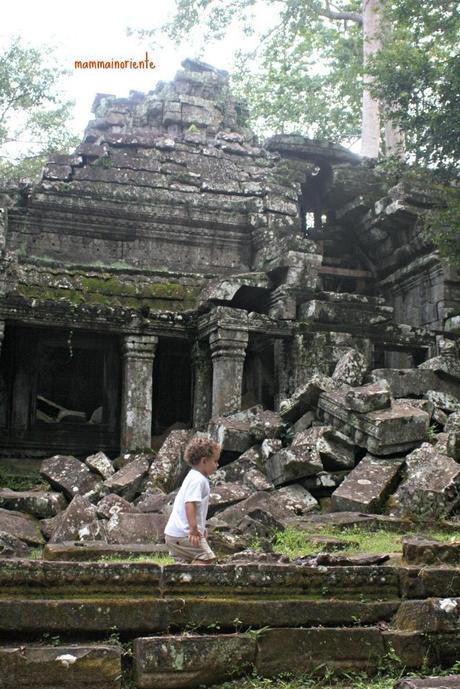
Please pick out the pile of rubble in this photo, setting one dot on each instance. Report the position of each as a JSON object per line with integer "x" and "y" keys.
{"x": 379, "y": 442}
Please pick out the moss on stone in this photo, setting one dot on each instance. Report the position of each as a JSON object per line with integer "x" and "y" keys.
{"x": 107, "y": 290}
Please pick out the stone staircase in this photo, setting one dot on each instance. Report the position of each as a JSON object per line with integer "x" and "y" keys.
{"x": 136, "y": 624}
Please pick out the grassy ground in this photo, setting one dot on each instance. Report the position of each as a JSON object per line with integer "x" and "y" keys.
{"x": 384, "y": 680}
{"x": 295, "y": 543}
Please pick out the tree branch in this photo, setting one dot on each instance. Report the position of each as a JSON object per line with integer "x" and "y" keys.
{"x": 332, "y": 14}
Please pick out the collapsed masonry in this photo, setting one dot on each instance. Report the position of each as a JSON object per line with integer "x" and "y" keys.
{"x": 173, "y": 272}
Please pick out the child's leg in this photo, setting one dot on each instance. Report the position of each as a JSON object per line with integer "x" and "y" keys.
{"x": 182, "y": 550}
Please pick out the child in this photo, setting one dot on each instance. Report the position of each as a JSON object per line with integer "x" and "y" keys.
{"x": 185, "y": 532}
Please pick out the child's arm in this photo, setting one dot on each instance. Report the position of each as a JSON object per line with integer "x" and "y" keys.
{"x": 194, "y": 535}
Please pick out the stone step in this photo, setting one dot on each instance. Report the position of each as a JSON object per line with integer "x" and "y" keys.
{"x": 76, "y": 666}
{"x": 41, "y": 578}
{"x": 142, "y": 615}
{"x": 172, "y": 662}
{"x": 85, "y": 551}
{"x": 37, "y": 577}
{"x": 426, "y": 551}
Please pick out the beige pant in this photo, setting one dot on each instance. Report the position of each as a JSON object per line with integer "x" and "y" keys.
{"x": 182, "y": 549}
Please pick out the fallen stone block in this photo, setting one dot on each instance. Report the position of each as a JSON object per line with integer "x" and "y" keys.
{"x": 128, "y": 457}
{"x": 136, "y": 528}
{"x": 226, "y": 494}
{"x": 23, "y": 526}
{"x": 331, "y": 560}
{"x": 453, "y": 422}
{"x": 78, "y": 522}
{"x": 127, "y": 482}
{"x": 40, "y": 504}
{"x": 101, "y": 464}
{"x": 155, "y": 501}
{"x": 293, "y": 463}
{"x": 443, "y": 400}
{"x": 368, "y": 398}
{"x": 443, "y": 682}
{"x": 305, "y": 398}
{"x": 245, "y": 470}
{"x": 337, "y": 452}
{"x": 405, "y": 382}
{"x": 168, "y": 468}
{"x": 453, "y": 445}
{"x": 172, "y": 662}
{"x": 266, "y": 424}
{"x": 60, "y": 667}
{"x": 427, "y": 551}
{"x": 269, "y": 447}
{"x": 387, "y": 431}
{"x": 295, "y": 499}
{"x": 112, "y": 504}
{"x": 439, "y": 416}
{"x": 367, "y": 487}
{"x": 304, "y": 422}
{"x": 232, "y": 432}
{"x": 341, "y": 521}
{"x": 350, "y": 368}
{"x": 305, "y": 650}
{"x": 11, "y": 546}
{"x": 431, "y": 489}
{"x": 84, "y": 551}
{"x": 324, "y": 483}
{"x": 417, "y": 649}
{"x": 447, "y": 365}
{"x": 432, "y": 615}
{"x": 69, "y": 475}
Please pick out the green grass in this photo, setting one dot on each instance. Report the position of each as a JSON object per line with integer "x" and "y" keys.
{"x": 336, "y": 680}
{"x": 295, "y": 543}
{"x": 21, "y": 483}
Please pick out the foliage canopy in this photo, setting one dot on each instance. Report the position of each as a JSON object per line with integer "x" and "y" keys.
{"x": 33, "y": 115}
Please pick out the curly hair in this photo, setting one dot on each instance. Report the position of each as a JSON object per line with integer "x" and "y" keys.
{"x": 200, "y": 448}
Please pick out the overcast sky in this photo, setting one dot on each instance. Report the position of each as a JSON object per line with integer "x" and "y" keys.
{"x": 96, "y": 29}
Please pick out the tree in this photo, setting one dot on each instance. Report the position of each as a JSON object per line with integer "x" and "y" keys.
{"x": 318, "y": 67}
{"x": 33, "y": 116}
{"x": 418, "y": 76}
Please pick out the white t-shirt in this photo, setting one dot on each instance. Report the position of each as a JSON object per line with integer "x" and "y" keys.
{"x": 195, "y": 488}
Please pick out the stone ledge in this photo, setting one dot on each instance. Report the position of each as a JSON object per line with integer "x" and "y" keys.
{"x": 60, "y": 667}
{"x": 148, "y": 615}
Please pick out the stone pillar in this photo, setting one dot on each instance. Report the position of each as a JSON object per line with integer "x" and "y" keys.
{"x": 202, "y": 384}
{"x": 136, "y": 405}
{"x": 228, "y": 339}
{"x": 2, "y": 333}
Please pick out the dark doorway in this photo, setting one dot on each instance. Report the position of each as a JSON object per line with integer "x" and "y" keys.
{"x": 258, "y": 374}
{"x": 172, "y": 385}
{"x": 61, "y": 391}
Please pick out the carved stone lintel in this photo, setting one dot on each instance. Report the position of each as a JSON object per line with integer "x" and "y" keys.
{"x": 136, "y": 414}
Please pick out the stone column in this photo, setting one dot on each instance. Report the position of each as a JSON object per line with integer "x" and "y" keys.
{"x": 202, "y": 384}
{"x": 136, "y": 406}
{"x": 228, "y": 339}
{"x": 2, "y": 333}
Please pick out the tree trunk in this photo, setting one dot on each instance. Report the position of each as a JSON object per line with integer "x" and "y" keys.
{"x": 372, "y": 42}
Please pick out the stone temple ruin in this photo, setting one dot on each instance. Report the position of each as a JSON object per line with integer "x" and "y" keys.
{"x": 174, "y": 276}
